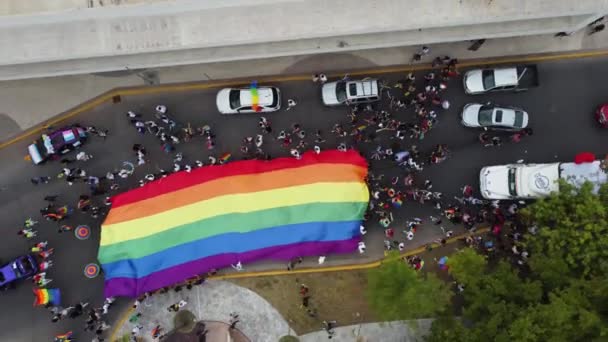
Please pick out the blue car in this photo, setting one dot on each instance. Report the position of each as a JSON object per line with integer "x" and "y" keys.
{"x": 21, "y": 268}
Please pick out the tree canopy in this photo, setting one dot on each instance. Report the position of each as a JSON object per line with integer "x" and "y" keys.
{"x": 396, "y": 291}
{"x": 572, "y": 235}
{"x": 564, "y": 294}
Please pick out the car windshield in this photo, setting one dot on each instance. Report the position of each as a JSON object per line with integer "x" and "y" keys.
{"x": 275, "y": 97}
{"x": 519, "y": 119}
{"x": 488, "y": 79}
{"x": 352, "y": 89}
{"x": 41, "y": 148}
{"x": 235, "y": 99}
{"x": 485, "y": 116}
{"x": 512, "y": 189}
{"x": 17, "y": 271}
{"x": 341, "y": 91}
{"x": 27, "y": 266}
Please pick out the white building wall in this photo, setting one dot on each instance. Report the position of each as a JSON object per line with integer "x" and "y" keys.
{"x": 164, "y": 33}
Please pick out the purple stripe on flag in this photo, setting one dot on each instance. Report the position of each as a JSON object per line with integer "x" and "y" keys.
{"x": 130, "y": 287}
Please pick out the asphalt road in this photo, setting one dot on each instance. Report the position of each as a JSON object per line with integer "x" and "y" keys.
{"x": 560, "y": 113}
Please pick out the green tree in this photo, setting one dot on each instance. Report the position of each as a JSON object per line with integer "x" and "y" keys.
{"x": 467, "y": 267}
{"x": 448, "y": 328}
{"x": 572, "y": 235}
{"x": 396, "y": 292}
{"x": 564, "y": 294}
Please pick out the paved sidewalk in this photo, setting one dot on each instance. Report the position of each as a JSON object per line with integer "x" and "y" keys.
{"x": 214, "y": 300}
{"x": 26, "y": 103}
{"x": 398, "y": 331}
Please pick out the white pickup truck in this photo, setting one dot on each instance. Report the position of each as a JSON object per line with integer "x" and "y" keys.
{"x": 515, "y": 78}
{"x": 528, "y": 181}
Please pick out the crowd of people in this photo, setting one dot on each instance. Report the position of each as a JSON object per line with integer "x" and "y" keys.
{"x": 388, "y": 135}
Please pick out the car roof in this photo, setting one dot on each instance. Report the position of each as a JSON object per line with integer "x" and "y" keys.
{"x": 363, "y": 88}
{"x": 265, "y": 97}
{"x": 537, "y": 180}
{"x": 503, "y": 116}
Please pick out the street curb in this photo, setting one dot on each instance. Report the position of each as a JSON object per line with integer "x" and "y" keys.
{"x": 192, "y": 86}
{"x": 351, "y": 267}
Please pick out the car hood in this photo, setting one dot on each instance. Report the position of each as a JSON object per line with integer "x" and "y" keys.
{"x": 473, "y": 82}
{"x": 494, "y": 182}
{"x": 34, "y": 154}
{"x": 222, "y": 101}
{"x": 470, "y": 114}
{"x": 328, "y": 92}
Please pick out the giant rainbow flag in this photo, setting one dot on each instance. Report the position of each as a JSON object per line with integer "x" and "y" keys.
{"x": 189, "y": 223}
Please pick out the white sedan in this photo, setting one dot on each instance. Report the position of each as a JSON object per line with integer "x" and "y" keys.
{"x": 240, "y": 100}
{"x": 494, "y": 117}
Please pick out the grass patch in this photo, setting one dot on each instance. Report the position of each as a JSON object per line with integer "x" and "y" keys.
{"x": 337, "y": 296}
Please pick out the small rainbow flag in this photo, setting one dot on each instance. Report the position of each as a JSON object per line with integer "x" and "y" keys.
{"x": 224, "y": 158}
{"x": 67, "y": 337}
{"x": 46, "y": 296}
{"x": 397, "y": 202}
{"x": 189, "y": 223}
{"x": 255, "y": 98}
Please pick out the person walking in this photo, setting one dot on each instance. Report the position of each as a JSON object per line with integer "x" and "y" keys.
{"x": 495, "y": 141}
{"x": 238, "y": 267}
{"x": 40, "y": 180}
{"x": 234, "y": 319}
{"x": 290, "y": 104}
{"x": 516, "y": 137}
{"x": 328, "y": 326}
{"x": 156, "y": 331}
{"x": 83, "y": 156}
{"x": 134, "y": 318}
{"x": 27, "y": 233}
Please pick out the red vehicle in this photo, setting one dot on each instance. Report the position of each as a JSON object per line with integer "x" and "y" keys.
{"x": 601, "y": 115}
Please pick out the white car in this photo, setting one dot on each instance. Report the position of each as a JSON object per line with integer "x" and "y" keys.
{"x": 515, "y": 78}
{"x": 240, "y": 100}
{"x": 350, "y": 92}
{"x": 494, "y": 117}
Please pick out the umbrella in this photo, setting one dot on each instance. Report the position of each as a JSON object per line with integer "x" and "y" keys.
{"x": 443, "y": 263}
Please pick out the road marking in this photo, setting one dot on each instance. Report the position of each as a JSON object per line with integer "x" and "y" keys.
{"x": 123, "y": 319}
{"x": 350, "y": 267}
{"x": 184, "y": 87}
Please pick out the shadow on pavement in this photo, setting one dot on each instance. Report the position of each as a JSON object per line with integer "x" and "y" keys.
{"x": 8, "y": 126}
{"x": 216, "y": 332}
